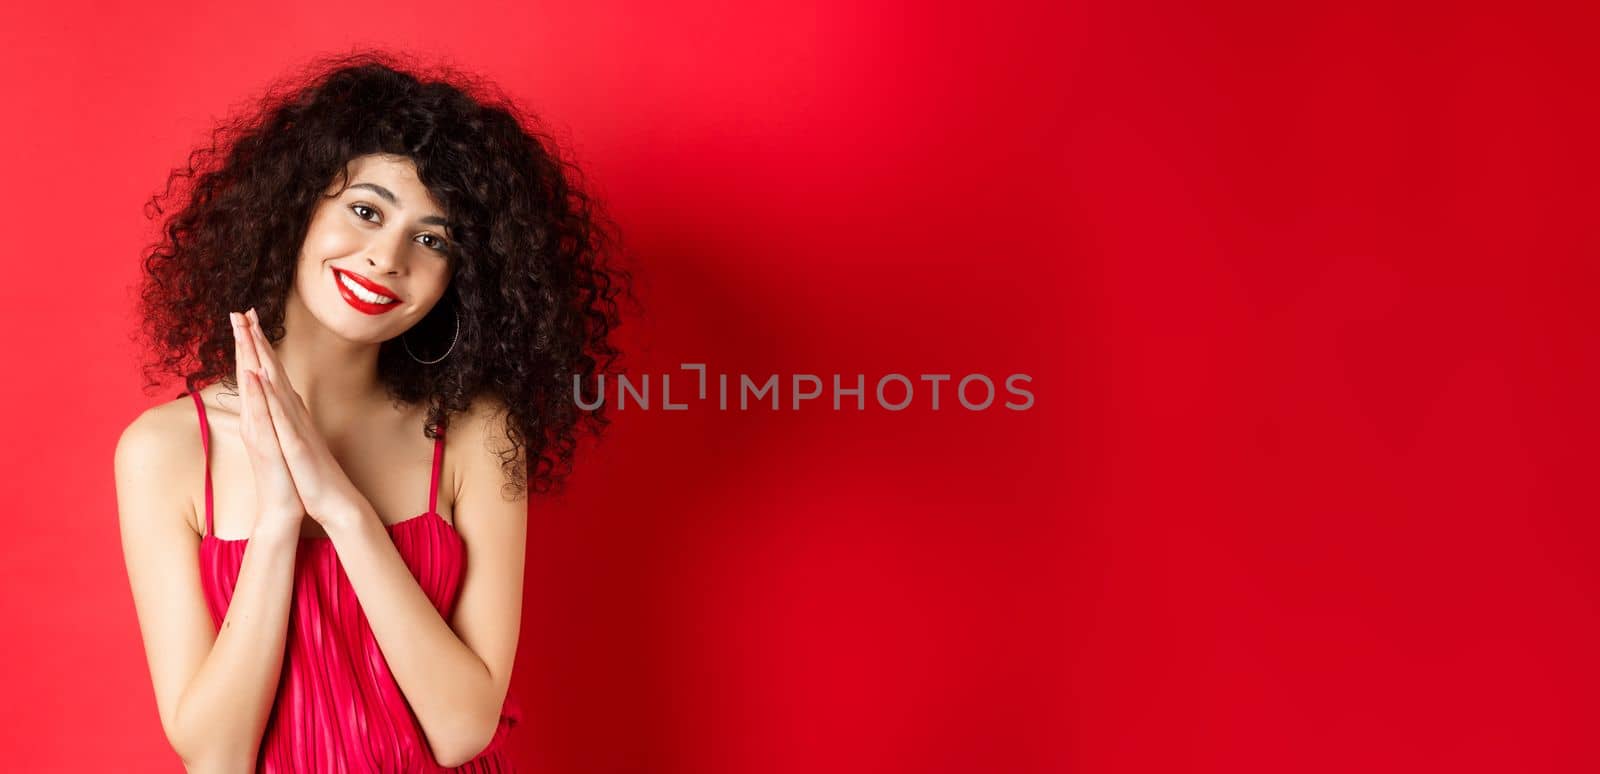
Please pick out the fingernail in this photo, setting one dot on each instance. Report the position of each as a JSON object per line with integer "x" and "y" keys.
{"x": 233, "y": 317}
{"x": 254, "y": 317}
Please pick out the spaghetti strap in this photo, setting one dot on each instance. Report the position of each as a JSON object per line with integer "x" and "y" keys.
{"x": 433, "y": 484}
{"x": 205, "y": 443}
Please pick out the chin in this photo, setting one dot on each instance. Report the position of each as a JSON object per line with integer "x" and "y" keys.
{"x": 354, "y": 326}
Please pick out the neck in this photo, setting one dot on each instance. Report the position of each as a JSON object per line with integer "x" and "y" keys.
{"x": 334, "y": 376}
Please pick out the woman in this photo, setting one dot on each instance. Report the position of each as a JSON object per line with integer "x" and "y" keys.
{"x": 410, "y": 258}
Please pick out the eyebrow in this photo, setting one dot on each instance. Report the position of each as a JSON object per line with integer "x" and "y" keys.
{"x": 388, "y": 194}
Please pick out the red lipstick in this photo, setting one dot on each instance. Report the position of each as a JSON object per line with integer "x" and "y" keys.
{"x": 341, "y": 277}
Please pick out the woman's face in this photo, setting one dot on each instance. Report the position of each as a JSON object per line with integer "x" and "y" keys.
{"x": 374, "y": 262}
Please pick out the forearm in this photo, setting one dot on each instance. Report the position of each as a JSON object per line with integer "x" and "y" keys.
{"x": 452, "y": 692}
{"x": 224, "y": 709}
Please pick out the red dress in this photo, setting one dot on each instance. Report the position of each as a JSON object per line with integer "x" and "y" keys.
{"x": 338, "y": 708}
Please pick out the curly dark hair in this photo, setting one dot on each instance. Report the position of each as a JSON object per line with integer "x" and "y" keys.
{"x": 535, "y": 279}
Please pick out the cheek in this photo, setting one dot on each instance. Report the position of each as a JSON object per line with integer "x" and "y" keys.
{"x": 325, "y": 241}
{"x": 328, "y": 238}
{"x": 311, "y": 266}
{"x": 437, "y": 282}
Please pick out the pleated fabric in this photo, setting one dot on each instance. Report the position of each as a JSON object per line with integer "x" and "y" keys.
{"x": 338, "y": 708}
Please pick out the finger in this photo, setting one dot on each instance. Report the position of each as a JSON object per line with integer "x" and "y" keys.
{"x": 247, "y": 346}
{"x": 244, "y": 349}
{"x": 265, "y": 433}
{"x": 239, "y": 370}
{"x": 277, "y": 378}
{"x": 282, "y": 421}
{"x": 266, "y": 357}
{"x": 268, "y": 460}
{"x": 249, "y": 429}
{"x": 252, "y": 352}
{"x": 296, "y": 407}
{"x": 246, "y": 416}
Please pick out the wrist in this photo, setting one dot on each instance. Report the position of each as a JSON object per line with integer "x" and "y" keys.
{"x": 344, "y": 522}
{"x": 276, "y": 532}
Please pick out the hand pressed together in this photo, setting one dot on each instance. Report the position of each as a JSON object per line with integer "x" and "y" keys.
{"x": 283, "y": 442}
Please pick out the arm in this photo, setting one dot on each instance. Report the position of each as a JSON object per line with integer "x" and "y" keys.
{"x": 214, "y": 689}
{"x": 454, "y": 675}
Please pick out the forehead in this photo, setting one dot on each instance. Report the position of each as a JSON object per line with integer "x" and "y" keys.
{"x": 395, "y": 173}
{"x": 392, "y": 168}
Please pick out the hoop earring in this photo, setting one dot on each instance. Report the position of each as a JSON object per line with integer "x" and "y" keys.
{"x": 405, "y": 342}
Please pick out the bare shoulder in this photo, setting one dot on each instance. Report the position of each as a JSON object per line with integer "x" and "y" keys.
{"x": 155, "y": 457}
{"x": 479, "y": 439}
{"x": 159, "y": 434}
{"x": 482, "y": 427}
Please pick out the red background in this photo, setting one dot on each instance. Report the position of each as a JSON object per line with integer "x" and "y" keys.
{"x": 1305, "y": 293}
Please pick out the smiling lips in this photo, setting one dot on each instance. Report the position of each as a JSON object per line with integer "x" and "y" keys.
{"x": 366, "y": 296}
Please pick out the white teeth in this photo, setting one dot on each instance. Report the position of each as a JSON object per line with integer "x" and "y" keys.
{"x": 362, "y": 293}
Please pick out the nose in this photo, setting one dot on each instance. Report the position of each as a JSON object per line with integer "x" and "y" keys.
{"x": 387, "y": 255}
